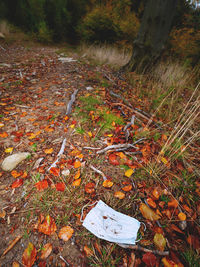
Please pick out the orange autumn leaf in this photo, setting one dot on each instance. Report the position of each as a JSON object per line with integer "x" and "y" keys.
{"x": 66, "y": 118}
{"x": 156, "y": 194}
{"x": 168, "y": 263}
{"x": 77, "y": 164}
{"x": 119, "y": 194}
{"x": 88, "y": 251}
{"x": 16, "y": 174}
{"x": 24, "y": 175}
{"x": 173, "y": 204}
{"x": 41, "y": 185}
{"x": 77, "y": 175}
{"x": 29, "y": 255}
{"x": 148, "y": 213}
{"x": 182, "y": 216}
{"x": 76, "y": 182}
{"x": 66, "y": 233}
{"x": 4, "y": 135}
{"x": 55, "y": 171}
{"x": 127, "y": 188}
{"x": 89, "y": 188}
{"x": 151, "y": 203}
{"x": 46, "y": 251}
{"x": 48, "y": 227}
{"x": 113, "y": 159}
{"x": 48, "y": 151}
{"x": 107, "y": 183}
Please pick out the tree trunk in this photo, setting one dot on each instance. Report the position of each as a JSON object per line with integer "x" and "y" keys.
{"x": 153, "y": 33}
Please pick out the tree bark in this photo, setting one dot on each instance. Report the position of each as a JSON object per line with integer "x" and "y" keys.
{"x": 153, "y": 33}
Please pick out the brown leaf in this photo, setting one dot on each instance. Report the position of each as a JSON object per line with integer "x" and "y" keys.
{"x": 149, "y": 259}
{"x": 46, "y": 251}
{"x": 107, "y": 183}
{"x": 148, "y": 213}
{"x": 119, "y": 194}
{"x": 29, "y": 255}
{"x": 89, "y": 188}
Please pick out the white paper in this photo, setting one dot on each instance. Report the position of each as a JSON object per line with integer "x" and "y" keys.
{"x": 110, "y": 225}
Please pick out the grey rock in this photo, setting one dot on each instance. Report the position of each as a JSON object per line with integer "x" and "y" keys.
{"x": 10, "y": 162}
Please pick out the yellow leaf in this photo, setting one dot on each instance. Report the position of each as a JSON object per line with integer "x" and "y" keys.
{"x": 90, "y": 134}
{"x": 107, "y": 183}
{"x": 129, "y": 172}
{"x": 159, "y": 241}
{"x": 164, "y": 160}
{"x": 48, "y": 151}
{"x": 148, "y": 213}
{"x": 182, "y": 216}
{"x": 76, "y": 182}
{"x": 9, "y": 150}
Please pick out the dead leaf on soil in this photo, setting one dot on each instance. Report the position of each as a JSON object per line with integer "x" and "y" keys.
{"x": 46, "y": 251}
{"x": 48, "y": 227}
{"x": 159, "y": 241}
{"x": 119, "y": 194}
{"x": 148, "y": 213}
{"x": 66, "y": 233}
{"x": 29, "y": 255}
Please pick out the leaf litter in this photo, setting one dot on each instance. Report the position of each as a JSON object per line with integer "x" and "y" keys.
{"x": 69, "y": 130}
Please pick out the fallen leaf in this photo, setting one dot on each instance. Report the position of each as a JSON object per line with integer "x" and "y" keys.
{"x": 149, "y": 259}
{"x": 48, "y": 151}
{"x": 182, "y": 216}
{"x": 55, "y": 171}
{"x": 119, "y": 194}
{"x": 159, "y": 241}
{"x": 29, "y": 255}
{"x": 41, "y": 185}
{"x": 173, "y": 204}
{"x": 24, "y": 175}
{"x": 48, "y": 227}
{"x": 129, "y": 172}
{"x": 90, "y": 134}
{"x": 60, "y": 187}
{"x": 17, "y": 183}
{"x": 1, "y": 124}
{"x": 77, "y": 175}
{"x": 16, "y": 174}
{"x": 89, "y": 188}
{"x": 2, "y": 214}
{"x": 127, "y": 188}
{"x": 151, "y": 203}
{"x": 88, "y": 251}
{"x": 113, "y": 159}
{"x": 66, "y": 233}
{"x": 164, "y": 160}
{"x": 77, "y": 164}
{"x": 107, "y": 183}
{"x": 76, "y": 182}
{"x": 9, "y": 150}
{"x": 168, "y": 262}
{"x": 156, "y": 194}
{"x": 46, "y": 251}
{"x": 4, "y": 135}
{"x": 148, "y": 213}
{"x": 15, "y": 264}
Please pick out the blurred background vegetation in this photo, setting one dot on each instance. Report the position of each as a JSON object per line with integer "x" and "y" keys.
{"x": 100, "y": 21}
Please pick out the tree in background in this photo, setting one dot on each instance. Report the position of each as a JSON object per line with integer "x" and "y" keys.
{"x": 154, "y": 30}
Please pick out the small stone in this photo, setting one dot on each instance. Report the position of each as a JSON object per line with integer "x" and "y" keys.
{"x": 65, "y": 172}
{"x": 10, "y": 162}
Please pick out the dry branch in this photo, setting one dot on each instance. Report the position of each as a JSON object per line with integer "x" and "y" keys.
{"x": 137, "y": 247}
{"x": 72, "y": 100}
{"x": 12, "y": 244}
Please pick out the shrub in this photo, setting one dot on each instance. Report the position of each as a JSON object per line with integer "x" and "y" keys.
{"x": 98, "y": 27}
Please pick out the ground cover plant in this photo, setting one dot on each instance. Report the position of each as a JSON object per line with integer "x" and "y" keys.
{"x": 77, "y": 159}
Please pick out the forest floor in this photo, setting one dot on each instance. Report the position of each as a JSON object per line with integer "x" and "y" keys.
{"x": 42, "y": 205}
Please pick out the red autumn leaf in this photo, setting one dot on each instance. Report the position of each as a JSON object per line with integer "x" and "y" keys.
{"x": 173, "y": 204}
{"x": 113, "y": 159}
{"x": 149, "y": 259}
{"x": 55, "y": 171}
{"x": 17, "y": 183}
{"x": 60, "y": 187}
{"x": 48, "y": 227}
{"x": 89, "y": 188}
{"x": 29, "y": 255}
{"x": 41, "y": 185}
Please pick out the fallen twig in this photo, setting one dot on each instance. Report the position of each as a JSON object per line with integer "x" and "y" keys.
{"x": 120, "y": 146}
{"x": 99, "y": 172}
{"x": 21, "y": 106}
{"x": 69, "y": 105}
{"x": 137, "y": 247}
{"x": 59, "y": 154}
{"x": 12, "y": 244}
{"x": 2, "y": 48}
